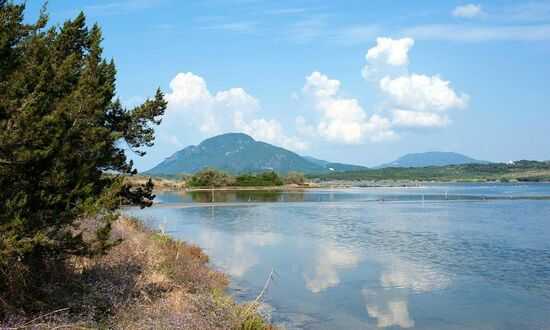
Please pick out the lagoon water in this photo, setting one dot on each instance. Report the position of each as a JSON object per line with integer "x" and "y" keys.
{"x": 434, "y": 257}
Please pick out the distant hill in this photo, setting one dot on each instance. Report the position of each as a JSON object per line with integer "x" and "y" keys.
{"x": 240, "y": 153}
{"x": 434, "y": 158}
{"x": 338, "y": 167}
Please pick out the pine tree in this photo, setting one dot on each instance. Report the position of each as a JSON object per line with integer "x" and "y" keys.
{"x": 63, "y": 136}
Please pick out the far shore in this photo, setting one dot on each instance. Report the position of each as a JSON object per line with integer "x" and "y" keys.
{"x": 328, "y": 185}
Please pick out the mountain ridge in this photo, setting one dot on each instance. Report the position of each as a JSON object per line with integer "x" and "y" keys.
{"x": 432, "y": 158}
{"x": 240, "y": 153}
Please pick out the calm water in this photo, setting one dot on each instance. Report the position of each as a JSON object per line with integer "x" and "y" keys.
{"x": 436, "y": 257}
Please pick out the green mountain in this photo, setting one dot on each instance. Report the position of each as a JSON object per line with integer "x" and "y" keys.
{"x": 337, "y": 167}
{"x": 240, "y": 153}
{"x": 433, "y": 158}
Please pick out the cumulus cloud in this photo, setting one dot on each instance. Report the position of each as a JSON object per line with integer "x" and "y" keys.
{"x": 422, "y": 93}
{"x": 268, "y": 130}
{"x": 388, "y": 55}
{"x": 468, "y": 11}
{"x": 342, "y": 119}
{"x": 320, "y": 85}
{"x": 190, "y": 100}
{"x": 391, "y": 51}
{"x": 412, "y": 100}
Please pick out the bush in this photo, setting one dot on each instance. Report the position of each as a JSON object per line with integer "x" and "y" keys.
{"x": 295, "y": 178}
{"x": 259, "y": 180}
{"x": 210, "y": 178}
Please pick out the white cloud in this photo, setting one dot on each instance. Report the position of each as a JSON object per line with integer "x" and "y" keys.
{"x": 190, "y": 101}
{"x": 236, "y": 97}
{"x": 391, "y": 51}
{"x": 320, "y": 85}
{"x": 422, "y": 93}
{"x": 388, "y": 56}
{"x": 268, "y": 130}
{"x": 468, "y": 11}
{"x": 379, "y": 129}
{"x": 187, "y": 89}
{"x": 410, "y": 98}
{"x": 342, "y": 119}
{"x": 405, "y": 118}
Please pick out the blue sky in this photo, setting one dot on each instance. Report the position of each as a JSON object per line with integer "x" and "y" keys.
{"x": 351, "y": 81}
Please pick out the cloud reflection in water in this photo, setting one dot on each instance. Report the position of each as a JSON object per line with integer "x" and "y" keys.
{"x": 235, "y": 254}
{"x": 329, "y": 261}
{"x": 389, "y": 304}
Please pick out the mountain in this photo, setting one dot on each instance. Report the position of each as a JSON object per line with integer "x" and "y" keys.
{"x": 239, "y": 153}
{"x": 433, "y": 158}
{"x": 338, "y": 167}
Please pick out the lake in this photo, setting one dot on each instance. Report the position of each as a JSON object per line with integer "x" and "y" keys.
{"x": 458, "y": 256}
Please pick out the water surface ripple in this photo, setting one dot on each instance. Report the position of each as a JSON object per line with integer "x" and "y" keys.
{"x": 433, "y": 257}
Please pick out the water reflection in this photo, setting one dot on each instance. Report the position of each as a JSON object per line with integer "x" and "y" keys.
{"x": 386, "y": 309}
{"x": 329, "y": 260}
{"x": 235, "y": 254}
{"x": 389, "y": 303}
{"x": 354, "y": 263}
{"x": 415, "y": 277}
{"x": 237, "y": 196}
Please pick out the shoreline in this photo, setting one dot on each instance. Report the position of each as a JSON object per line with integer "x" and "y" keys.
{"x": 147, "y": 280}
{"x": 345, "y": 185}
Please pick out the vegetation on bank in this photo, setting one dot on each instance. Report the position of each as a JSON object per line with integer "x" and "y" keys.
{"x": 523, "y": 171}
{"x": 147, "y": 280}
{"x": 213, "y": 178}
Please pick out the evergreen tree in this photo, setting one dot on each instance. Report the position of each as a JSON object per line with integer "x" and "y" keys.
{"x": 63, "y": 137}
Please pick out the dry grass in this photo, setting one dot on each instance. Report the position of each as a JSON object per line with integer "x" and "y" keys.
{"x": 149, "y": 281}
{"x": 160, "y": 183}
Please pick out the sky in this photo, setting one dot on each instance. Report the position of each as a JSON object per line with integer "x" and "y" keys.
{"x": 361, "y": 82}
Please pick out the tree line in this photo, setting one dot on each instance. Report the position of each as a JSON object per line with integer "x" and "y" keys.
{"x": 210, "y": 177}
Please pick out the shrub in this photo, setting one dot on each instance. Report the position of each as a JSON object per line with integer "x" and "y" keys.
{"x": 210, "y": 178}
{"x": 295, "y": 178}
{"x": 259, "y": 180}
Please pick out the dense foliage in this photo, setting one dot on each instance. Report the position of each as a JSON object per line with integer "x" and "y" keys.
{"x": 295, "y": 178}
{"x": 517, "y": 171}
{"x": 210, "y": 177}
{"x": 61, "y": 131}
{"x": 259, "y": 180}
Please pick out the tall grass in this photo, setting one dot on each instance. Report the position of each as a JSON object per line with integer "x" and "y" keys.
{"x": 148, "y": 281}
